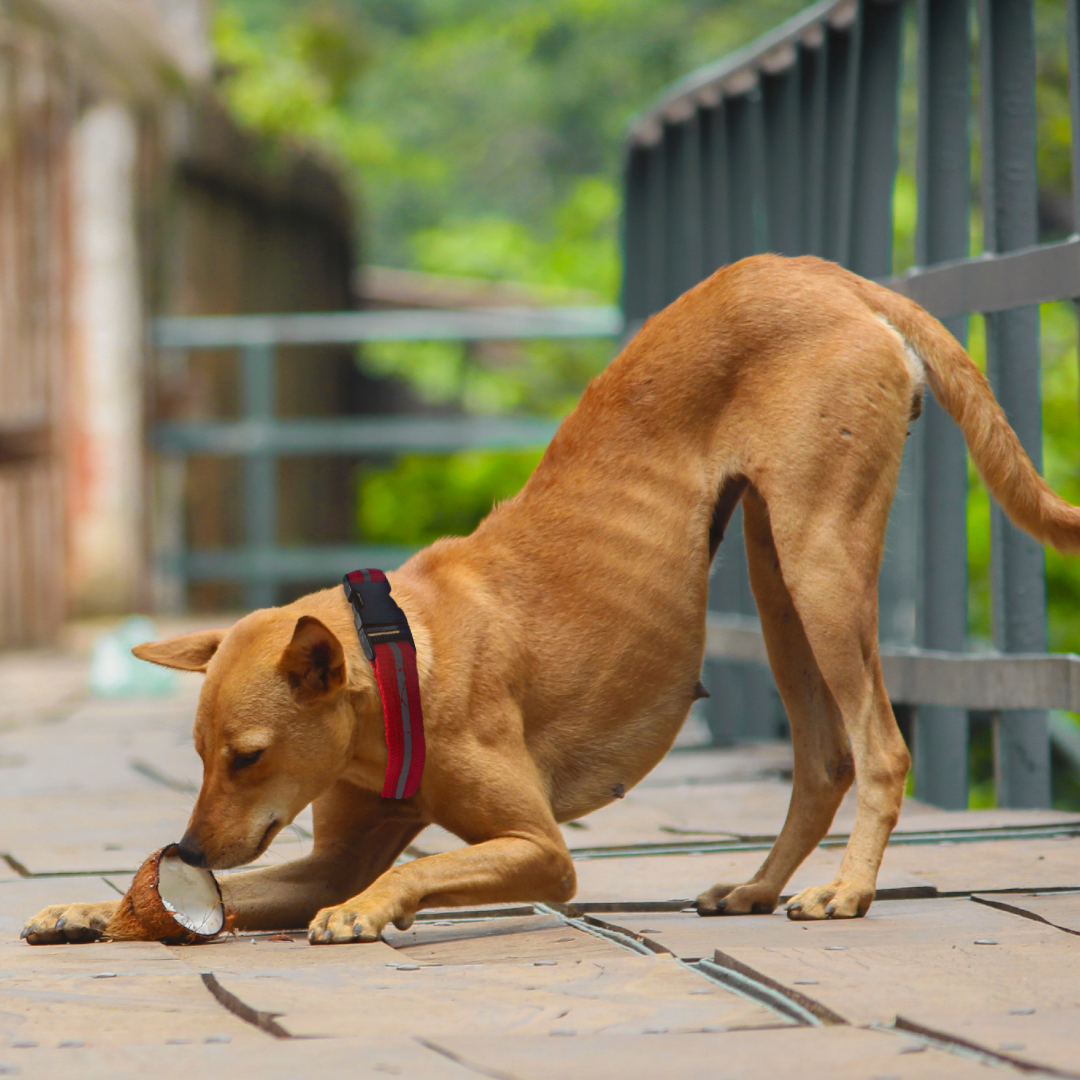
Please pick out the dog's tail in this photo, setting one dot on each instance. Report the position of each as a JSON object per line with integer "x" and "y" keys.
{"x": 963, "y": 391}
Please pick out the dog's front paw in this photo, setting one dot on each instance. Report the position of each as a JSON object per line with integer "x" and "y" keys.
{"x": 351, "y": 922}
{"x": 756, "y": 898}
{"x": 837, "y": 900}
{"x": 69, "y": 924}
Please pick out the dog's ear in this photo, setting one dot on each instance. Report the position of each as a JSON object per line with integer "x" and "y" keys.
{"x": 189, "y": 652}
{"x": 313, "y": 664}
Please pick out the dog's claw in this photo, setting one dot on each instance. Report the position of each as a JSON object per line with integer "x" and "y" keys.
{"x": 60, "y": 923}
{"x": 793, "y": 907}
{"x": 25, "y": 933}
{"x": 830, "y": 910}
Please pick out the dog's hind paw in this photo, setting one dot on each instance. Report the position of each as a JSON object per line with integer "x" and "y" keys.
{"x": 68, "y": 924}
{"x": 756, "y": 898}
{"x": 834, "y": 901}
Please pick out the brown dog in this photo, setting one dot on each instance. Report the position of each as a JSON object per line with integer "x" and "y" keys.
{"x": 560, "y": 644}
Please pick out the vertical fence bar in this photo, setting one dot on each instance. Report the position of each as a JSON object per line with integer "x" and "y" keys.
{"x": 780, "y": 94}
{"x": 814, "y": 76}
{"x": 1073, "y": 17}
{"x": 874, "y": 144}
{"x": 635, "y": 283}
{"x": 715, "y": 189}
{"x": 259, "y": 471}
{"x": 655, "y": 241}
{"x": 841, "y": 57}
{"x": 682, "y": 179}
{"x": 740, "y": 147}
{"x": 943, "y": 179}
{"x": 1007, "y": 80}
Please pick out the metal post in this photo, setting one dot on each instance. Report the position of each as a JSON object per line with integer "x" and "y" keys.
{"x": 1007, "y": 65}
{"x": 814, "y": 73}
{"x": 259, "y": 471}
{"x": 944, "y": 178}
{"x": 635, "y": 285}
{"x": 1073, "y": 15}
{"x": 655, "y": 241}
{"x": 715, "y": 189}
{"x": 874, "y": 150}
{"x": 783, "y": 158}
{"x": 682, "y": 180}
{"x": 841, "y": 69}
{"x": 741, "y": 199}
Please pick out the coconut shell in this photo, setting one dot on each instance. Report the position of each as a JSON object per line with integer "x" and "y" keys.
{"x": 142, "y": 916}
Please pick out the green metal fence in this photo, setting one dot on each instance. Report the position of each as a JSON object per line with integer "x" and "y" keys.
{"x": 259, "y": 439}
{"x": 791, "y": 146}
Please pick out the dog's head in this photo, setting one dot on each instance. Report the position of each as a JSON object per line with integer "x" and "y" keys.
{"x": 275, "y": 727}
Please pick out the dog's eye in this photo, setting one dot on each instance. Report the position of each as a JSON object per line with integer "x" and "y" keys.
{"x": 242, "y": 761}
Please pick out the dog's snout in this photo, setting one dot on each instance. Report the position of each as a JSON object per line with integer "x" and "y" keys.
{"x": 189, "y": 852}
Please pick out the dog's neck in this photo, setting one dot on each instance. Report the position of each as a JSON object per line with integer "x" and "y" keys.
{"x": 368, "y": 766}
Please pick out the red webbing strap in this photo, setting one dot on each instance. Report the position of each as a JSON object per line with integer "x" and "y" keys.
{"x": 399, "y": 689}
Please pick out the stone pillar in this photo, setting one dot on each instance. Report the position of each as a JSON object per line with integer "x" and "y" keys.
{"x": 106, "y": 488}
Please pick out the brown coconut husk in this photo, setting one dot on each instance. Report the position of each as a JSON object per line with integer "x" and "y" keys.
{"x": 143, "y": 916}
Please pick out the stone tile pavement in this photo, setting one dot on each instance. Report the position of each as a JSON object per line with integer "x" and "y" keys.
{"x": 967, "y": 966}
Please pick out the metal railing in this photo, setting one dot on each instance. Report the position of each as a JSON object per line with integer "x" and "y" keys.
{"x": 259, "y": 438}
{"x": 791, "y": 146}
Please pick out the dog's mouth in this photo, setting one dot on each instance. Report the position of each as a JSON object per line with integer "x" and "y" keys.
{"x": 267, "y": 837}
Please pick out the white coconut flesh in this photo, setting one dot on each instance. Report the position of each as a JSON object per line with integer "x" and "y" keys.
{"x": 190, "y": 895}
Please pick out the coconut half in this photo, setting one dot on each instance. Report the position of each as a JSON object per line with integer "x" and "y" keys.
{"x": 169, "y": 901}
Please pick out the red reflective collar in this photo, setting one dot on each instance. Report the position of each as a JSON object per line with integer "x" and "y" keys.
{"x": 388, "y": 644}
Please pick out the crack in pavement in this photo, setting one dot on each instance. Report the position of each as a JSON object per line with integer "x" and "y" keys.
{"x": 264, "y": 1021}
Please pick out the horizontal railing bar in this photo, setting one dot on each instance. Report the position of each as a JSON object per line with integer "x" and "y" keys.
{"x": 682, "y": 97}
{"x": 350, "y": 327}
{"x": 377, "y": 434}
{"x": 329, "y": 562}
{"x": 1040, "y": 274}
{"x": 926, "y": 677}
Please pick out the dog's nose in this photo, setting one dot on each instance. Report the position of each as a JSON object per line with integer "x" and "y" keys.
{"x": 190, "y": 853}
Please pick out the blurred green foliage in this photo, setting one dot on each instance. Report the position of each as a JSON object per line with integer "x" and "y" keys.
{"x": 426, "y": 496}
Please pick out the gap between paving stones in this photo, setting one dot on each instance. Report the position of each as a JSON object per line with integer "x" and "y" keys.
{"x": 957, "y": 1044}
{"x": 1012, "y": 909}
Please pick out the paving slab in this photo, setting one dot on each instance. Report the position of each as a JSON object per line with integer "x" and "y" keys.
{"x": 811, "y": 1053}
{"x": 952, "y": 966}
{"x": 474, "y": 977}
{"x": 373, "y": 1057}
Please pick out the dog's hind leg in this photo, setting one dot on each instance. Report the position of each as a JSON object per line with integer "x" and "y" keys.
{"x": 830, "y": 562}
{"x": 823, "y": 765}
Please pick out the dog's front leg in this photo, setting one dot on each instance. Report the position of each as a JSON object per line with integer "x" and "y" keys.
{"x": 519, "y": 867}
{"x": 358, "y": 835}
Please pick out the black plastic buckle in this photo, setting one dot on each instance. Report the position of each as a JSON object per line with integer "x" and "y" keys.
{"x": 376, "y": 615}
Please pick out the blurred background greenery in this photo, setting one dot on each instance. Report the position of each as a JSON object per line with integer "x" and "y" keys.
{"x": 483, "y": 139}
